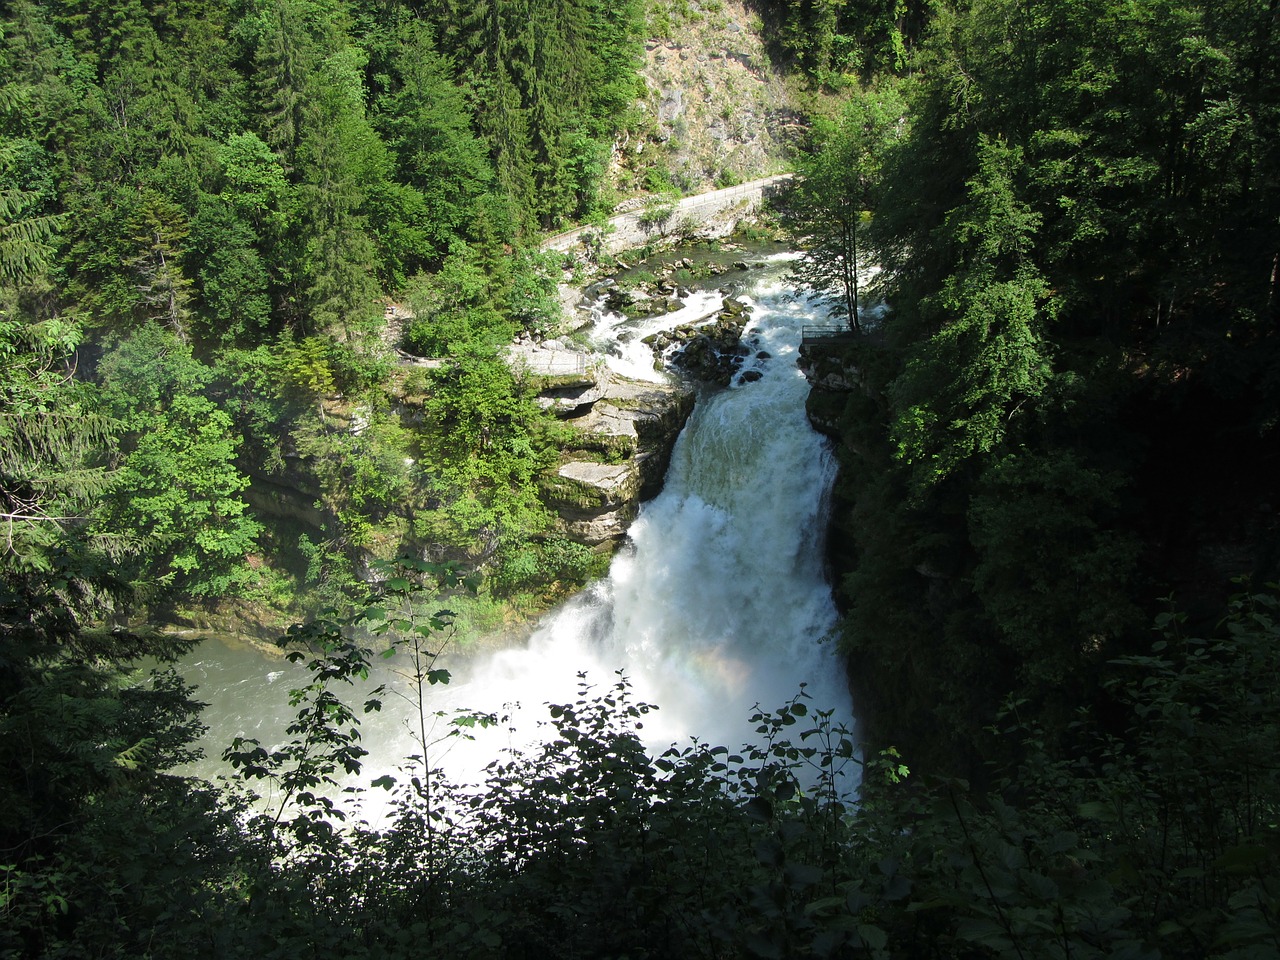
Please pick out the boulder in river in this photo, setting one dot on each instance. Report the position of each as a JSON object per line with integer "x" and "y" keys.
{"x": 710, "y": 351}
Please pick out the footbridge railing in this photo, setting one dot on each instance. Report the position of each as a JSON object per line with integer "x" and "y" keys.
{"x": 826, "y": 334}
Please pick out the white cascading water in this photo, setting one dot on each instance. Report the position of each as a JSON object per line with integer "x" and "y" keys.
{"x": 717, "y": 604}
{"x": 621, "y": 341}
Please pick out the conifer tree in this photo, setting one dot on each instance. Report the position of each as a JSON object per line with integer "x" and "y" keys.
{"x": 340, "y": 158}
{"x": 426, "y": 120}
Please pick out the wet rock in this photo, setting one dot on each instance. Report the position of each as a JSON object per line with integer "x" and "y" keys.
{"x": 832, "y": 376}
{"x": 592, "y": 488}
{"x": 618, "y": 299}
{"x": 829, "y": 372}
{"x": 653, "y": 306}
{"x": 710, "y": 352}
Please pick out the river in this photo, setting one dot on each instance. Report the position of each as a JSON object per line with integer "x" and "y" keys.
{"x": 717, "y": 603}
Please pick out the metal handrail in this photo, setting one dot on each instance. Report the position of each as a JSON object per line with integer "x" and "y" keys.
{"x": 826, "y": 332}
{"x": 577, "y": 363}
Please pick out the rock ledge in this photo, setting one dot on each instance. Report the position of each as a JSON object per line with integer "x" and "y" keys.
{"x": 625, "y": 432}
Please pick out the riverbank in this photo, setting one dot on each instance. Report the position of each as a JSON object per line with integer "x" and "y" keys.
{"x": 619, "y": 419}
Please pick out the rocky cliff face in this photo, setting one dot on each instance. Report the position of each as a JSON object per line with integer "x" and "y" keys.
{"x": 718, "y": 111}
{"x": 832, "y": 376}
{"x": 624, "y": 434}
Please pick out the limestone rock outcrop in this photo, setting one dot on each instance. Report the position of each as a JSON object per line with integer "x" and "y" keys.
{"x": 832, "y": 375}
{"x": 625, "y": 432}
{"x": 596, "y": 502}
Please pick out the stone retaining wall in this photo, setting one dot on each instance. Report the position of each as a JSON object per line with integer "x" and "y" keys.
{"x": 640, "y": 227}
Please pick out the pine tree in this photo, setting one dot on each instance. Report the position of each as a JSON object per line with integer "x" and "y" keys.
{"x": 340, "y": 158}
{"x": 426, "y": 120}
{"x": 26, "y": 234}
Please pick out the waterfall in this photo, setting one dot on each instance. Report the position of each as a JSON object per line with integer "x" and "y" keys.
{"x": 717, "y": 603}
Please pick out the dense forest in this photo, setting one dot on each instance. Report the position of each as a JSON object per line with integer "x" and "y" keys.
{"x": 1068, "y": 414}
{"x": 1052, "y": 536}
{"x": 208, "y": 211}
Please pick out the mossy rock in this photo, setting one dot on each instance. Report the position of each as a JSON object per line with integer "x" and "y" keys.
{"x": 543, "y": 382}
{"x": 610, "y": 447}
{"x": 591, "y": 487}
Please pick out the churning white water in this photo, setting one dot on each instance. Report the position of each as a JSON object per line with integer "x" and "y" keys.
{"x": 622, "y": 340}
{"x": 717, "y": 604}
{"x": 720, "y": 602}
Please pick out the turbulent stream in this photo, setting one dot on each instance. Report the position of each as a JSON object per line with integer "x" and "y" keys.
{"x": 717, "y": 603}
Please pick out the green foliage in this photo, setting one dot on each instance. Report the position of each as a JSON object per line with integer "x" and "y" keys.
{"x": 835, "y": 194}
{"x": 132, "y": 272}
{"x": 988, "y": 356}
{"x": 176, "y": 490}
{"x": 323, "y": 745}
{"x": 233, "y": 277}
{"x": 51, "y": 577}
{"x": 1073, "y": 285}
{"x": 329, "y": 573}
{"x": 534, "y": 297}
{"x": 426, "y": 119}
{"x": 94, "y": 820}
{"x": 551, "y": 83}
{"x": 485, "y": 456}
{"x": 1072, "y": 587}
{"x": 254, "y": 181}
{"x": 834, "y": 41}
{"x": 25, "y": 234}
{"x": 363, "y": 468}
{"x": 342, "y": 162}
{"x": 232, "y": 236}
{"x": 1159, "y": 839}
{"x": 261, "y": 181}
{"x": 1071, "y": 404}
{"x": 454, "y": 308}
{"x": 656, "y": 214}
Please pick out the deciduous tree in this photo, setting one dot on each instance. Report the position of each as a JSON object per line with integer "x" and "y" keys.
{"x": 835, "y": 194}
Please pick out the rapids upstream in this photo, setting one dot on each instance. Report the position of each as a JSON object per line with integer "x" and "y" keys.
{"x": 717, "y": 604}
